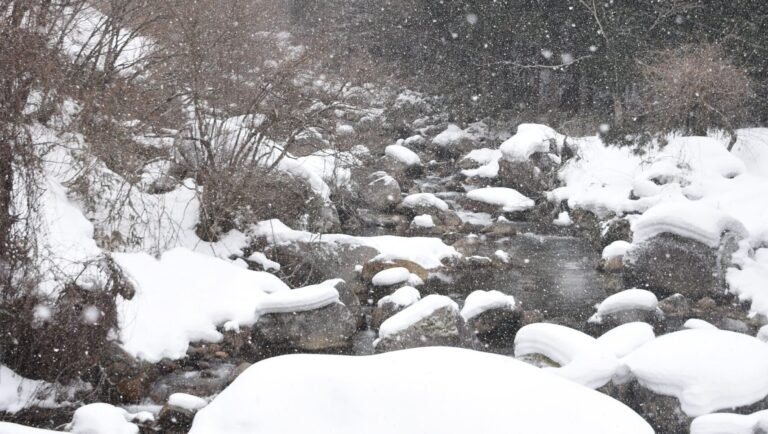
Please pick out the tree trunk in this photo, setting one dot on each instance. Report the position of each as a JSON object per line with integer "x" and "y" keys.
{"x": 618, "y": 110}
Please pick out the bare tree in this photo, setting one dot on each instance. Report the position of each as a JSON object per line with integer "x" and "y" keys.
{"x": 694, "y": 88}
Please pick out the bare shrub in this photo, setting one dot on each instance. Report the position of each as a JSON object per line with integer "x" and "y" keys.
{"x": 694, "y": 88}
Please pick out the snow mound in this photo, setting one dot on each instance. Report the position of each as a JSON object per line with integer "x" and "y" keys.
{"x": 415, "y": 313}
{"x": 187, "y": 401}
{"x": 300, "y": 299}
{"x": 18, "y": 393}
{"x": 340, "y": 396}
{"x": 452, "y": 135}
{"x": 102, "y": 418}
{"x": 261, "y": 259}
{"x": 616, "y": 248}
{"x": 182, "y": 297}
{"x": 530, "y": 138}
{"x": 695, "y": 323}
{"x": 626, "y": 338}
{"x": 402, "y": 154}
{"x": 423, "y": 221}
{"x": 425, "y": 251}
{"x": 488, "y": 160}
{"x": 405, "y": 296}
{"x": 480, "y": 301}
{"x": 630, "y": 299}
{"x": 508, "y": 198}
{"x": 749, "y": 279}
{"x": 426, "y": 200}
{"x": 692, "y": 220}
{"x": 730, "y": 423}
{"x": 581, "y": 357}
{"x": 391, "y": 276}
{"x": 707, "y": 370}
{"x": 12, "y": 428}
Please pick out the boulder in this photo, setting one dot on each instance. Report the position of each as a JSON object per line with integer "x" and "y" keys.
{"x": 174, "y": 419}
{"x": 326, "y": 329}
{"x": 443, "y": 327}
{"x": 372, "y": 268}
{"x": 531, "y": 177}
{"x": 497, "y": 327}
{"x": 668, "y": 264}
{"x": 380, "y": 191}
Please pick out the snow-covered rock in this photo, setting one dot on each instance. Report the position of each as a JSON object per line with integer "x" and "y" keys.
{"x": 692, "y": 220}
{"x": 380, "y": 191}
{"x": 627, "y": 300}
{"x": 616, "y": 248}
{"x": 487, "y": 161}
{"x": 510, "y": 200}
{"x": 695, "y": 323}
{"x": 391, "y": 276}
{"x": 581, "y": 357}
{"x": 424, "y": 251}
{"x": 432, "y": 321}
{"x": 480, "y": 301}
{"x": 402, "y": 154}
{"x": 102, "y": 419}
{"x": 424, "y": 201}
{"x": 706, "y": 370}
{"x": 530, "y": 139}
{"x": 452, "y": 135}
{"x": 300, "y": 299}
{"x": 187, "y": 401}
{"x": 731, "y": 423}
{"x": 340, "y": 396}
{"x": 403, "y": 297}
{"x": 423, "y": 221}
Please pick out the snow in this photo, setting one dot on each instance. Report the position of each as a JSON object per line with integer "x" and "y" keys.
{"x": 426, "y": 200}
{"x": 102, "y": 418}
{"x": 488, "y": 160}
{"x": 459, "y": 392}
{"x": 626, "y": 338}
{"x": 182, "y": 297}
{"x": 187, "y": 401}
{"x": 12, "y": 428}
{"x": 425, "y": 251}
{"x": 415, "y": 313}
{"x": 762, "y": 334}
{"x": 423, "y": 221}
{"x": 475, "y": 218}
{"x": 748, "y": 281}
{"x": 480, "y": 301}
{"x": 391, "y": 276}
{"x": 452, "y": 135}
{"x": 502, "y": 255}
{"x": 730, "y": 423}
{"x": 266, "y": 263}
{"x": 18, "y": 393}
{"x": 299, "y": 299}
{"x": 530, "y": 138}
{"x": 403, "y": 155}
{"x": 695, "y": 323}
{"x": 707, "y": 370}
{"x": 616, "y": 248}
{"x": 693, "y": 220}
{"x": 581, "y": 357}
{"x": 509, "y": 199}
{"x": 405, "y": 296}
{"x": 629, "y": 299}
{"x": 563, "y": 219}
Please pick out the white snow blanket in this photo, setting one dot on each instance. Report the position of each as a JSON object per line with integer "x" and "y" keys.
{"x": 730, "y": 423}
{"x": 461, "y": 392}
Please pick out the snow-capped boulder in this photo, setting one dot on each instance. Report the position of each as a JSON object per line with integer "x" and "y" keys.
{"x": 630, "y": 305}
{"x": 102, "y": 418}
{"x": 481, "y": 163}
{"x": 391, "y": 304}
{"x": 432, "y": 321}
{"x": 454, "y": 142}
{"x": 731, "y": 423}
{"x": 424, "y": 203}
{"x": 380, "y": 191}
{"x": 531, "y": 139}
{"x": 682, "y": 247}
{"x": 491, "y": 199}
{"x": 581, "y": 358}
{"x": 400, "y": 153}
{"x": 705, "y": 369}
{"x": 612, "y": 259}
{"x": 307, "y": 319}
{"x": 445, "y": 390}
{"x": 492, "y": 316}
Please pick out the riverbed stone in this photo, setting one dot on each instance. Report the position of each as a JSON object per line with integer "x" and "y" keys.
{"x": 444, "y": 327}
{"x": 326, "y": 329}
